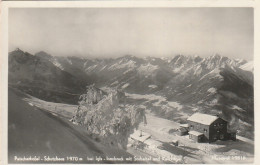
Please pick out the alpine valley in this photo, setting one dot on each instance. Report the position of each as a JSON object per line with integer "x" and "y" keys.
{"x": 172, "y": 88}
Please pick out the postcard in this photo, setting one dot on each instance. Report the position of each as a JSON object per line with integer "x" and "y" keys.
{"x": 129, "y": 83}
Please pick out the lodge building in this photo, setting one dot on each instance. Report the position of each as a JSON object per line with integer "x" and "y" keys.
{"x": 208, "y": 128}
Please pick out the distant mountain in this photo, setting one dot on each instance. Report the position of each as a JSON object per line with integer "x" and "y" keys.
{"x": 214, "y": 84}
{"x": 39, "y": 76}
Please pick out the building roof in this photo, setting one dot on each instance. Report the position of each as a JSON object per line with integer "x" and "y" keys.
{"x": 152, "y": 143}
{"x": 195, "y": 133}
{"x": 184, "y": 125}
{"x": 203, "y": 118}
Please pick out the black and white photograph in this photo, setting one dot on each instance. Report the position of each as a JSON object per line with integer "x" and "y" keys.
{"x": 131, "y": 85}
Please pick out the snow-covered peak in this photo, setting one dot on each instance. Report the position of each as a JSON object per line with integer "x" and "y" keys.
{"x": 240, "y": 61}
{"x": 249, "y": 66}
{"x": 215, "y": 56}
{"x": 123, "y": 64}
{"x": 217, "y": 60}
{"x": 127, "y": 57}
{"x": 166, "y": 59}
{"x": 147, "y": 69}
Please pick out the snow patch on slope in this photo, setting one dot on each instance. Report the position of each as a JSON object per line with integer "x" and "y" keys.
{"x": 213, "y": 72}
{"x": 159, "y": 99}
{"x": 91, "y": 68}
{"x": 235, "y": 107}
{"x": 147, "y": 69}
{"x": 249, "y": 66}
{"x": 244, "y": 123}
{"x": 212, "y": 90}
{"x": 57, "y": 64}
{"x": 153, "y": 86}
{"x": 121, "y": 65}
{"x": 69, "y": 61}
{"x": 125, "y": 85}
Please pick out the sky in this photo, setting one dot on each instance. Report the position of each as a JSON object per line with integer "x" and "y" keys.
{"x": 114, "y": 32}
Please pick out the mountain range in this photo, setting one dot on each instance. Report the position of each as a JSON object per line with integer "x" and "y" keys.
{"x": 214, "y": 84}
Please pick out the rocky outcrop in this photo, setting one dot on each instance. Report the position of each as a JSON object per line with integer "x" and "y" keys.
{"x": 106, "y": 117}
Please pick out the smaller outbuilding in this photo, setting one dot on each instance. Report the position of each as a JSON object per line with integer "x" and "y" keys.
{"x": 139, "y": 137}
{"x": 196, "y": 136}
{"x": 184, "y": 125}
{"x": 182, "y": 131}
